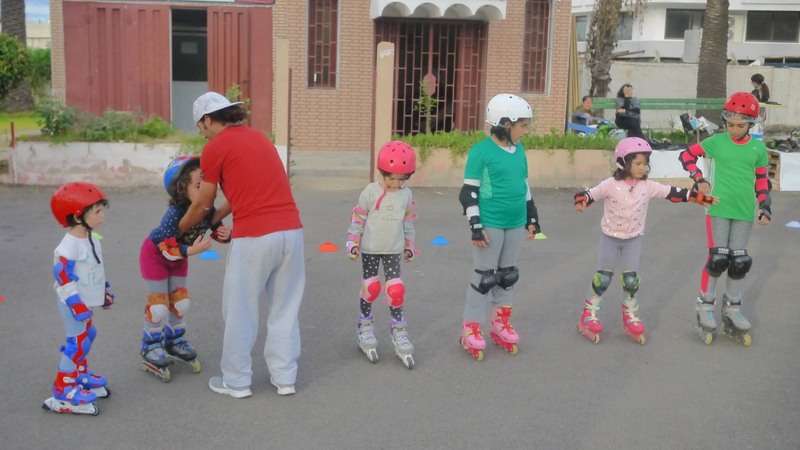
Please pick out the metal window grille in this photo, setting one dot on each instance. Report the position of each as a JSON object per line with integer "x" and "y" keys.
{"x": 322, "y": 40}
{"x": 454, "y": 53}
{"x": 537, "y": 32}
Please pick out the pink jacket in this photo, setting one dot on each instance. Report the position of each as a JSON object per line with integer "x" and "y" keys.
{"x": 625, "y": 206}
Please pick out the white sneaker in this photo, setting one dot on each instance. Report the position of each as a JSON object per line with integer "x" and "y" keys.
{"x": 217, "y": 385}
{"x": 283, "y": 389}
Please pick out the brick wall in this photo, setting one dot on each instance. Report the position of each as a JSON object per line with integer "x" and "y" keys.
{"x": 57, "y": 66}
{"x": 341, "y": 118}
{"x": 322, "y": 118}
{"x": 504, "y": 63}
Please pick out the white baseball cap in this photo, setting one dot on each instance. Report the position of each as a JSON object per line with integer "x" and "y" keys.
{"x": 208, "y": 103}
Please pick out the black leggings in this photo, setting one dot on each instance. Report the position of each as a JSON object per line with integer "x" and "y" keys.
{"x": 371, "y": 265}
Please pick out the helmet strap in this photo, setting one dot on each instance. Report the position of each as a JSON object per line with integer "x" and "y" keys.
{"x": 83, "y": 223}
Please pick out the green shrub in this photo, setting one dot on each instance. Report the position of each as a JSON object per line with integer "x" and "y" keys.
{"x": 56, "y": 119}
{"x": 234, "y": 94}
{"x": 111, "y": 126}
{"x": 39, "y": 70}
{"x": 14, "y": 63}
{"x": 156, "y": 128}
{"x": 568, "y": 141}
{"x": 459, "y": 142}
{"x": 192, "y": 144}
{"x": 672, "y": 136}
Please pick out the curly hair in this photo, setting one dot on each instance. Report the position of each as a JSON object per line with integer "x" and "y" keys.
{"x": 231, "y": 115}
{"x": 178, "y": 196}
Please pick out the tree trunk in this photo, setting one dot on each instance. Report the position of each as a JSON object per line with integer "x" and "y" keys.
{"x": 712, "y": 70}
{"x": 12, "y": 18}
{"x": 601, "y": 42}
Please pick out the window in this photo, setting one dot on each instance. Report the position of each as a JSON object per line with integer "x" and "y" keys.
{"x": 625, "y": 28}
{"x": 537, "y": 33}
{"x": 189, "y": 45}
{"x": 680, "y": 20}
{"x": 581, "y": 27}
{"x": 322, "y": 36}
{"x": 774, "y": 26}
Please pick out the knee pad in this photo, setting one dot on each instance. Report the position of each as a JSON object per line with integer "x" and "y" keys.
{"x": 77, "y": 347}
{"x": 507, "y": 276}
{"x": 181, "y": 308}
{"x": 487, "y": 282}
{"x": 396, "y": 291}
{"x": 372, "y": 289}
{"x": 740, "y": 264}
{"x": 630, "y": 282}
{"x": 601, "y": 281}
{"x": 179, "y": 302}
{"x": 157, "y": 308}
{"x": 718, "y": 260}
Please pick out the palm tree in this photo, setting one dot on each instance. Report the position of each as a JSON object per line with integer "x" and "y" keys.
{"x": 12, "y": 20}
{"x": 602, "y": 39}
{"x": 600, "y": 43}
{"x": 712, "y": 70}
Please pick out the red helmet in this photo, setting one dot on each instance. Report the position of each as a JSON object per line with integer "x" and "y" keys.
{"x": 397, "y": 157}
{"x": 743, "y": 103}
{"x": 72, "y": 199}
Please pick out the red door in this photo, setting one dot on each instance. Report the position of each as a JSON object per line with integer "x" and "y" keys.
{"x": 115, "y": 55}
{"x": 240, "y": 52}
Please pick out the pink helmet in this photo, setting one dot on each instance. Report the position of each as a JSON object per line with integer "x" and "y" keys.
{"x": 397, "y": 157}
{"x": 630, "y": 146}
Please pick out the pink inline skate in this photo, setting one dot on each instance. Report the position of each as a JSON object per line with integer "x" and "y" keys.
{"x": 633, "y": 326}
{"x": 589, "y": 325}
{"x": 472, "y": 340}
{"x": 503, "y": 334}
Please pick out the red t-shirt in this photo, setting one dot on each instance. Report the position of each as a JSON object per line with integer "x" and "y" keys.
{"x": 248, "y": 169}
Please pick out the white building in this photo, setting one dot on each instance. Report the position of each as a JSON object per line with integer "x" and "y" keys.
{"x": 759, "y": 29}
{"x": 37, "y": 34}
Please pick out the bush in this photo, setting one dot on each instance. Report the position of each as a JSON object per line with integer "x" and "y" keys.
{"x": 111, "y": 126}
{"x": 61, "y": 123}
{"x": 155, "y": 128}
{"x": 14, "y": 63}
{"x": 192, "y": 144}
{"x": 56, "y": 119}
{"x": 39, "y": 70}
{"x": 234, "y": 94}
{"x": 459, "y": 142}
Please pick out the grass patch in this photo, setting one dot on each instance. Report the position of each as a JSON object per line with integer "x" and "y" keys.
{"x": 23, "y": 122}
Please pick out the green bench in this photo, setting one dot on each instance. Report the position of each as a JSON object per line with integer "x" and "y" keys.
{"x": 664, "y": 104}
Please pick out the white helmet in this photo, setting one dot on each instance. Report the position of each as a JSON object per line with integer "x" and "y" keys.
{"x": 507, "y": 106}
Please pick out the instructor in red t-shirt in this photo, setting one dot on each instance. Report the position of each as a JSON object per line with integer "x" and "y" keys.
{"x": 267, "y": 248}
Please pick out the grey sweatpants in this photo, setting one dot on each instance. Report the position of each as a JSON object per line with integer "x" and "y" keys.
{"x": 730, "y": 233}
{"x": 614, "y": 253}
{"x": 623, "y": 254}
{"x": 273, "y": 263}
{"x": 503, "y": 251}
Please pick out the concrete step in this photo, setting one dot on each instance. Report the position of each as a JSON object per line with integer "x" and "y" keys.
{"x": 5, "y": 174}
{"x": 332, "y": 170}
